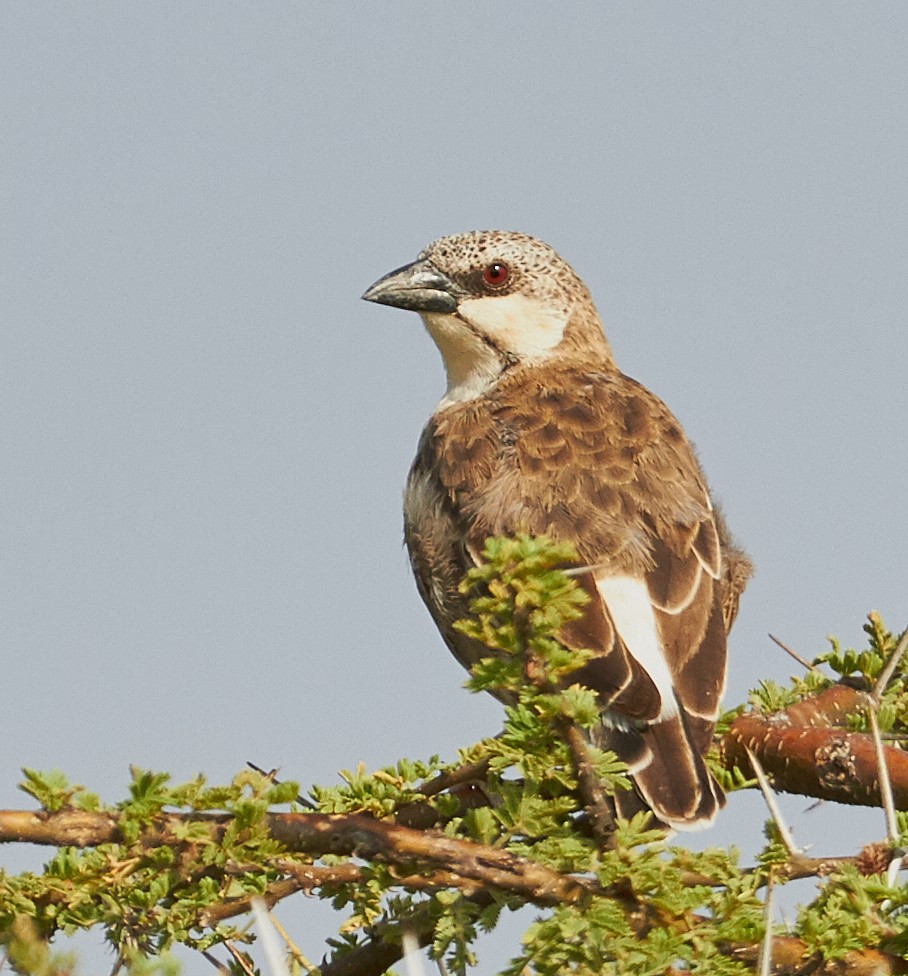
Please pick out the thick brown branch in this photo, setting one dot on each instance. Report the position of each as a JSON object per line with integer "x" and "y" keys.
{"x": 447, "y": 862}
{"x": 65, "y": 828}
{"x": 377, "y": 956}
{"x": 467, "y": 864}
{"x": 805, "y": 749}
{"x": 360, "y": 836}
{"x": 828, "y": 709}
{"x": 790, "y": 958}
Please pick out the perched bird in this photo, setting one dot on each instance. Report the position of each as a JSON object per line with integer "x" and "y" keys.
{"x": 539, "y": 432}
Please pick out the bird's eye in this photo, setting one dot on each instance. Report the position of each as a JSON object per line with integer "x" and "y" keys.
{"x": 496, "y": 274}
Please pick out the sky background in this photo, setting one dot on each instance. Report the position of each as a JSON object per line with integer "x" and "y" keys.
{"x": 205, "y": 433}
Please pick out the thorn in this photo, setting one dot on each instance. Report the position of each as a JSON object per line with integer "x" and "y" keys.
{"x": 764, "y": 960}
{"x": 892, "y": 875}
{"x": 271, "y": 775}
{"x": 270, "y": 941}
{"x": 410, "y": 944}
{"x": 580, "y": 570}
{"x": 886, "y": 674}
{"x": 807, "y": 665}
{"x": 892, "y": 826}
{"x": 771, "y": 802}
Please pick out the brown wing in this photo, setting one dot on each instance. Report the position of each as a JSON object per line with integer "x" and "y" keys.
{"x": 594, "y": 458}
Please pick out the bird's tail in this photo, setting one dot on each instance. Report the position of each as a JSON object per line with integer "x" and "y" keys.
{"x": 669, "y": 774}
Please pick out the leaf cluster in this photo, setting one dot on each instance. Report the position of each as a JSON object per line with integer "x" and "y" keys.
{"x": 655, "y": 918}
{"x": 153, "y": 888}
{"x": 637, "y": 905}
{"x": 863, "y": 668}
{"x": 853, "y": 911}
{"x": 859, "y": 668}
{"x": 520, "y": 598}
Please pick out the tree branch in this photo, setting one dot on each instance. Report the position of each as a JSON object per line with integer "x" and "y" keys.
{"x": 805, "y": 749}
{"x": 465, "y": 862}
{"x": 360, "y": 836}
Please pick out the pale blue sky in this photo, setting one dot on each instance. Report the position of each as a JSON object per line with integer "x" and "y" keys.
{"x": 205, "y": 432}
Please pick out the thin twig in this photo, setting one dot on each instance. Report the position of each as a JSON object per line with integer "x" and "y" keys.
{"x": 602, "y": 820}
{"x": 808, "y": 665}
{"x": 455, "y": 777}
{"x": 220, "y": 911}
{"x": 771, "y": 802}
{"x": 799, "y": 867}
{"x": 886, "y": 674}
{"x": 892, "y": 827}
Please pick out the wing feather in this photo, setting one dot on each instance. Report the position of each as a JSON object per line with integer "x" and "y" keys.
{"x": 617, "y": 678}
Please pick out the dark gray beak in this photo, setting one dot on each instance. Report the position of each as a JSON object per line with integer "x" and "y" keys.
{"x": 417, "y": 287}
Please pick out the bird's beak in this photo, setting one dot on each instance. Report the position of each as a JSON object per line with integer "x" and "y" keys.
{"x": 417, "y": 287}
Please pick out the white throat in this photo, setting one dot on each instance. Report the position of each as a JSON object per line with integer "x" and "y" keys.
{"x": 476, "y": 343}
{"x": 471, "y": 365}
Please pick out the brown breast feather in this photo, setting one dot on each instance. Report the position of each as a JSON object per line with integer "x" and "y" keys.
{"x": 590, "y": 456}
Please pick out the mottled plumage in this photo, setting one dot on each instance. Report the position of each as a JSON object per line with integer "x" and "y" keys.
{"x": 540, "y": 433}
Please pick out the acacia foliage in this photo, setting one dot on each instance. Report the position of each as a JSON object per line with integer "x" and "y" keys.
{"x": 441, "y": 849}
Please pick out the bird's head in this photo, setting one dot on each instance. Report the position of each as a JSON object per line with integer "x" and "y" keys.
{"x": 492, "y": 300}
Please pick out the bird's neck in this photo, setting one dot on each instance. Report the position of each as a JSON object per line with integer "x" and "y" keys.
{"x": 472, "y": 364}
{"x": 584, "y": 338}
{"x": 476, "y": 360}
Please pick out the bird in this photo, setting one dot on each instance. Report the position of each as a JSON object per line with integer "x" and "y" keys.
{"x": 539, "y": 432}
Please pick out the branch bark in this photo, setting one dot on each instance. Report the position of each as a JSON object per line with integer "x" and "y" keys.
{"x": 466, "y": 863}
{"x": 806, "y": 749}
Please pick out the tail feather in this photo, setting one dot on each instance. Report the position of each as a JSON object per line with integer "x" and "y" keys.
{"x": 670, "y": 776}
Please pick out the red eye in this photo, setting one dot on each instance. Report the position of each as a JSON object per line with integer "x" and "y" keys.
{"x": 496, "y": 274}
